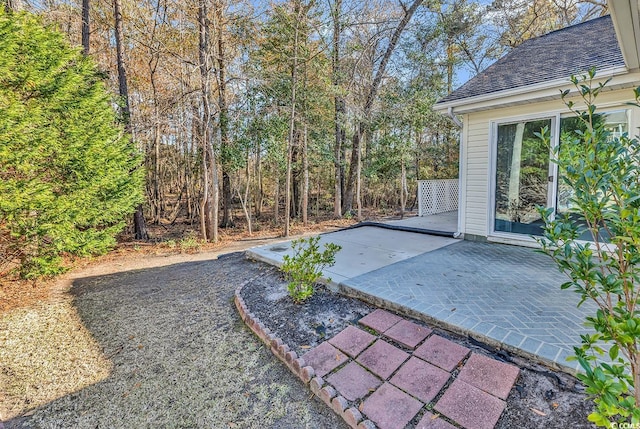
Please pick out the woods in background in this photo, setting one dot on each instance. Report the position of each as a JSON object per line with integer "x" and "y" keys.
{"x": 292, "y": 109}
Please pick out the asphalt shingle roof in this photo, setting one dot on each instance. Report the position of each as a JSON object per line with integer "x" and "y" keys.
{"x": 556, "y": 55}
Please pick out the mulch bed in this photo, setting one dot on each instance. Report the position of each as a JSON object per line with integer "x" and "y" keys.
{"x": 541, "y": 397}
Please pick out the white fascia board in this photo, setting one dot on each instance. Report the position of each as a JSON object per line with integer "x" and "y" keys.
{"x": 620, "y": 78}
{"x": 624, "y": 14}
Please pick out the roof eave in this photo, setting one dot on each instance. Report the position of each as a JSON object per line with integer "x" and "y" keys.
{"x": 626, "y": 21}
{"x": 621, "y": 78}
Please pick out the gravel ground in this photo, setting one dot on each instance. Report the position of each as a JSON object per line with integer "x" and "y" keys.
{"x": 178, "y": 356}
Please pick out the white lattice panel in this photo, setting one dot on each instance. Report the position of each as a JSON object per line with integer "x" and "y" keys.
{"x": 437, "y": 196}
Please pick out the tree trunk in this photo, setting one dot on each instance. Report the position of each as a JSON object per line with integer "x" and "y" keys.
{"x": 156, "y": 199}
{"x": 85, "y": 26}
{"x": 209, "y": 204}
{"x": 154, "y": 58}
{"x": 276, "y": 197}
{"x": 259, "y": 197}
{"x": 246, "y": 206}
{"x": 156, "y": 204}
{"x": 404, "y": 192}
{"x": 205, "y": 192}
{"x": 362, "y": 127}
{"x": 339, "y": 110}
{"x": 13, "y": 5}
{"x": 292, "y": 123}
{"x": 139, "y": 225}
{"x": 214, "y": 201}
{"x": 305, "y": 177}
{"x": 227, "y": 221}
{"x": 122, "y": 73}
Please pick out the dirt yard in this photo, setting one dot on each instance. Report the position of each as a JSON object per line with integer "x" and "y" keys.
{"x": 148, "y": 336}
{"x": 143, "y": 347}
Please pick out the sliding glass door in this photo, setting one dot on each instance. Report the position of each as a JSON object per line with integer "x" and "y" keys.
{"x": 522, "y": 176}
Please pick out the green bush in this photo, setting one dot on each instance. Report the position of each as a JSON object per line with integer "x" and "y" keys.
{"x": 68, "y": 174}
{"x": 305, "y": 267}
{"x": 602, "y": 170}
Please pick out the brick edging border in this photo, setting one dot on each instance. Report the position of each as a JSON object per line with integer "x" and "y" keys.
{"x": 298, "y": 366}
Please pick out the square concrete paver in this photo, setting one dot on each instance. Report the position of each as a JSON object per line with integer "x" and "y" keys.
{"x": 352, "y": 340}
{"x": 324, "y": 358}
{"x": 380, "y": 320}
{"x": 433, "y": 421}
{"x": 441, "y": 352}
{"x": 353, "y": 381}
{"x": 391, "y": 408}
{"x": 489, "y": 375}
{"x": 470, "y": 407}
{"x": 420, "y": 379}
{"x": 408, "y": 333}
{"x": 382, "y": 358}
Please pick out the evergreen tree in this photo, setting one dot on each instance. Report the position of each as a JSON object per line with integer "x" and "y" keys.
{"x": 68, "y": 174}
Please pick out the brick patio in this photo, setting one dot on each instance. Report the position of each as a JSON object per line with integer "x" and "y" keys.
{"x": 507, "y": 296}
{"x": 400, "y": 372}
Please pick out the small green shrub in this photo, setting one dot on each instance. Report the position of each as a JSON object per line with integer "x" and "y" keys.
{"x": 305, "y": 267}
{"x": 603, "y": 172}
{"x": 189, "y": 244}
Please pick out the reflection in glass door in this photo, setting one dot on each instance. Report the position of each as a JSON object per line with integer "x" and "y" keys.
{"x": 616, "y": 123}
{"x": 522, "y": 177}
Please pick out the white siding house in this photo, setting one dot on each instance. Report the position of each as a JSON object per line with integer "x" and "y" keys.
{"x": 503, "y": 172}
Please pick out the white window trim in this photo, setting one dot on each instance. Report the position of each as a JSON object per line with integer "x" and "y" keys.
{"x": 506, "y": 237}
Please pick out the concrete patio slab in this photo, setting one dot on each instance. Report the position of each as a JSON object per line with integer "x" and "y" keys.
{"x": 445, "y": 222}
{"x": 324, "y": 358}
{"x": 506, "y": 296}
{"x": 354, "y": 382}
{"x": 489, "y": 375}
{"x": 470, "y": 407}
{"x": 442, "y": 352}
{"x": 380, "y": 320}
{"x": 352, "y": 340}
{"x": 420, "y": 379}
{"x": 390, "y": 386}
{"x": 382, "y": 358}
{"x": 408, "y": 333}
{"x": 364, "y": 249}
{"x": 391, "y": 408}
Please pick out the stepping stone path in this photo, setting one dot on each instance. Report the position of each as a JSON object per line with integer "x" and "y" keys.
{"x": 403, "y": 373}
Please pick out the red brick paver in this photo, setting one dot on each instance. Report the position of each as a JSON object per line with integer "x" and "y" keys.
{"x": 431, "y": 421}
{"x": 391, "y": 408}
{"x": 441, "y": 352}
{"x": 470, "y": 407}
{"x": 324, "y": 358}
{"x": 352, "y": 340}
{"x": 408, "y": 333}
{"x": 354, "y": 382}
{"x": 380, "y": 320}
{"x": 382, "y": 358}
{"x": 489, "y": 375}
{"x": 420, "y": 379}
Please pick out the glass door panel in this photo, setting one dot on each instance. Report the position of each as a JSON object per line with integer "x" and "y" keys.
{"x": 616, "y": 123}
{"x": 522, "y": 177}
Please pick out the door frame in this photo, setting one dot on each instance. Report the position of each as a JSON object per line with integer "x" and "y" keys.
{"x": 552, "y": 188}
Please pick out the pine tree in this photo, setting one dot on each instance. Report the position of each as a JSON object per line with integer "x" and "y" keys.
{"x": 68, "y": 174}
